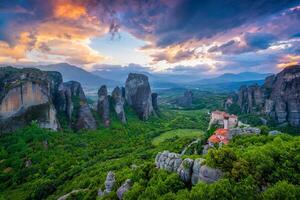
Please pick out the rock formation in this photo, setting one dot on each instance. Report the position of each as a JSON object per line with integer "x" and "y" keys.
{"x": 185, "y": 170}
{"x": 30, "y": 94}
{"x": 186, "y": 100}
{"x": 74, "y": 105}
{"x": 138, "y": 95}
{"x": 109, "y": 182}
{"x": 103, "y": 105}
{"x": 124, "y": 188}
{"x": 279, "y": 97}
{"x": 228, "y": 102}
{"x": 27, "y": 95}
{"x": 189, "y": 170}
{"x": 118, "y": 103}
{"x": 243, "y": 131}
{"x": 154, "y": 101}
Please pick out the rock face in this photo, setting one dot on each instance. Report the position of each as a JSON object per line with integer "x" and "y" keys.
{"x": 138, "y": 95}
{"x": 109, "y": 182}
{"x": 228, "y": 102}
{"x": 190, "y": 171}
{"x": 118, "y": 102}
{"x": 154, "y": 101}
{"x": 278, "y": 98}
{"x": 74, "y": 106}
{"x": 243, "y": 131}
{"x": 103, "y": 105}
{"x": 186, "y": 100}
{"x": 168, "y": 161}
{"x": 185, "y": 170}
{"x": 27, "y": 95}
{"x": 124, "y": 188}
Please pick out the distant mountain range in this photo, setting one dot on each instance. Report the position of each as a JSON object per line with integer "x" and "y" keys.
{"x": 72, "y": 72}
{"x": 117, "y": 77}
{"x": 231, "y": 78}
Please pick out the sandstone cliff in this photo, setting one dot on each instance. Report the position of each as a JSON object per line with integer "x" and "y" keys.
{"x": 103, "y": 105}
{"x": 28, "y": 95}
{"x": 138, "y": 95}
{"x": 118, "y": 103}
{"x": 279, "y": 97}
{"x": 73, "y": 104}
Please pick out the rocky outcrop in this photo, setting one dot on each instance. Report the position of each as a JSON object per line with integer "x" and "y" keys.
{"x": 279, "y": 97}
{"x": 243, "y": 131}
{"x": 74, "y": 105}
{"x": 27, "y": 95}
{"x": 209, "y": 175}
{"x": 124, "y": 188}
{"x": 190, "y": 171}
{"x": 228, "y": 102}
{"x": 185, "y": 170}
{"x": 109, "y": 182}
{"x": 138, "y": 95}
{"x": 103, "y": 105}
{"x": 168, "y": 161}
{"x": 186, "y": 100}
{"x": 118, "y": 103}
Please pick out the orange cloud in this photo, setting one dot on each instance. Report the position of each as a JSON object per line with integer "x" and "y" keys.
{"x": 289, "y": 60}
{"x": 68, "y": 10}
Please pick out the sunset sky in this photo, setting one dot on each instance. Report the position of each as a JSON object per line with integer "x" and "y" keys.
{"x": 185, "y": 36}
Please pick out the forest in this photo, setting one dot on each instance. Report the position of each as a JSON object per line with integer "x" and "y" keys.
{"x": 40, "y": 164}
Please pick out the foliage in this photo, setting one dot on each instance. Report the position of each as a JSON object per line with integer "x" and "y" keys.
{"x": 254, "y": 167}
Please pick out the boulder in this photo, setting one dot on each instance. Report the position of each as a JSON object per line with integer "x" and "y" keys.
{"x": 103, "y": 105}
{"x": 75, "y": 107}
{"x": 138, "y": 95}
{"x": 209, "y": 175}
{"x": 124, "y": 188}
{"x": 118, "y": 102}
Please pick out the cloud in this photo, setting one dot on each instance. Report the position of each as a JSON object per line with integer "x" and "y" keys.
{"x": 132, "y": 67}
{"x": 259, "y": 40}
{"x": 178, "y": 33}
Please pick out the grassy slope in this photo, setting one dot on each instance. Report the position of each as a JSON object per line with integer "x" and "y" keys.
{"x": 179, "y": 133}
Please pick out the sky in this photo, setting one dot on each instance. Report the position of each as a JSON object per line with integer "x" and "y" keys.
{"x": 176, "y": 36}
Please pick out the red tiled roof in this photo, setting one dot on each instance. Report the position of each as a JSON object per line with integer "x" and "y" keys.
{"x": 221, "y": 131}
{"x": 219, "y": 136}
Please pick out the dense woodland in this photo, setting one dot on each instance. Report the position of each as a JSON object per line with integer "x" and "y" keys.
{"x": 41, "y": 164}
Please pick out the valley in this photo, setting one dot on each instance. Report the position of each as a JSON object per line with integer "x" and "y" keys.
{"x": 141, "y": 146}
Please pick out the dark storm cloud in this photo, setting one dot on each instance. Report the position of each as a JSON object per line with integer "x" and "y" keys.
{"x": 200, "y": 19}
{"x": 259, "y": 40}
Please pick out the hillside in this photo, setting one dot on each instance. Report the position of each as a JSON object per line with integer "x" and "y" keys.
{"x": 231, "y": 78}
{"x": 72, "y": 72}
